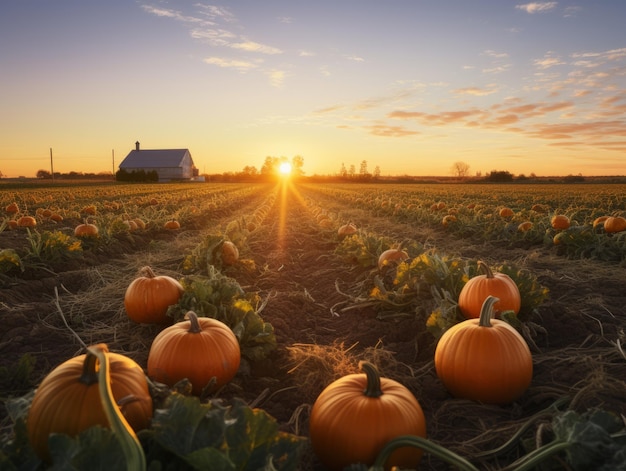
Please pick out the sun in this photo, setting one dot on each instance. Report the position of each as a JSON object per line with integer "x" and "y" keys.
{"x": 285, "y": 169}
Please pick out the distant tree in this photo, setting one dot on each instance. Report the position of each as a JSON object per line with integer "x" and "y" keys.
{"x": 352, "y": 171}
{"x": 44, "y": 174}
{"x": 297, "y": 163}
{"x": 499, "y": 176}
{"x": 363, "y": 170}
{"x": 377, "y": 172}
{"x": 250, "y": 171}
{"x": 1, "y": 174}
{"x": 460, "y": 169}
{"x": 342, "y": 171}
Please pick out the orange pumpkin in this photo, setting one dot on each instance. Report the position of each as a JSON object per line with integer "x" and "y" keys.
{"x": 391, "y": 257}
{"x": 506, "y": 213}
{"x": 346, "y": 230}
{"x": 12, "y": 208}
{"x": 560, "y": 222}
{"x": 203, "y": 350}
{"x": 599, "y": 221}
{"x": 172, "y": 225}
{"x": 86, "y": 230}
{"x": 68, "y": 401}
{"x": 230, "y": 253}
{"x": 615, "y": 224}
{"x": 525, "y": 226}
{"x": 478, "y": 288}
{"x": 27, "y": 221}
{"x": 448, "y": 219}
{"x": 148, "y": 297}
{"x": 355, "y": 416}
{"x": 484, "y": 359}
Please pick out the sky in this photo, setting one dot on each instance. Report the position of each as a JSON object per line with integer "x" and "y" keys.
{"x": 409, "y": 86}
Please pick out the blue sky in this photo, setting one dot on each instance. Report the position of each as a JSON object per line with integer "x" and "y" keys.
{"x": 410, "y": 86}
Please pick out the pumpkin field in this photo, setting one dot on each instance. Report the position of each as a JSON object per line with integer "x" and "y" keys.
{"x": 310, "y": 284}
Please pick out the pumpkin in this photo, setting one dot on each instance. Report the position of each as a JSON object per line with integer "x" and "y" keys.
{"x": 615, "y": 224}
{"x": 86, "y": 229}
{"x": 599, "y": 221}
{"x": 27, "y": 221}
{"x": 525, "y": 226}
{"x": 476, "y": 290}
{"x": 201, "y": 349}
{"x": 230, "y": 253}
{"x": 355, "y": 416}
{"x": 172, "y": 225}
{"x": 484, "y": 359}
{"x": 560, "y": 222}
{"x": 68, "y": 399}
{"x": 148, "y": 297}
{"x": 506, "y": 213}
{"x": 346, "y": 230}
{"x": 448, "y": 219}
{"x": 12, "y": 208}
{"x": 391, "y": 257}
{"x": 139, "y": 223}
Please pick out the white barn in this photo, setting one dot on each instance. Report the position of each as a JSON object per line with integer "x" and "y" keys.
{"x": 169, "y": 164}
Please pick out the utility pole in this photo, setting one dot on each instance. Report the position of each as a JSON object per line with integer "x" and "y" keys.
{"x": 51, "y": 165}
{"x": 113, "y": 163}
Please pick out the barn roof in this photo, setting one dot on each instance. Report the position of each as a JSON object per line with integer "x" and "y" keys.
{"x": 154, "y": 158}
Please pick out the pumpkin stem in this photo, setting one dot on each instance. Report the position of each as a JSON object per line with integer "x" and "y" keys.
{"x": 485, "y": 268}
{"x": 147, "y": 272}
{"x": 373, "y": 388}
{"x": 486, "y": 311}
{"x": 135, "y": 457}
{"x": 194, "y": 328}
{"x": 90, "y": 373}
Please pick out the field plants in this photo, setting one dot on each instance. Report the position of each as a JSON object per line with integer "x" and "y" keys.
{"x": 306, "y": 305}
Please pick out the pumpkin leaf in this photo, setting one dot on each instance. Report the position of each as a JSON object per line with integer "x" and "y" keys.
{"x": 213, "y": 436}
{"x": 96, "y": 448}
{"x": 594, "y": 438}
{"x": 185, "y": 425}
{"x": 254, "y": 435}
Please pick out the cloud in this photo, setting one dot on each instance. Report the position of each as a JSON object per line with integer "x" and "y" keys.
{"x": 356, "y": 59}
{"x": 277, "y": 77}
{"x": 242, "y": 66}
{"x": 476, "y": 91}
{"x": 252, "y": 46}
{"x": 537, "y": 7}
{"x": 547, "y": 62}
{"x": 390, "y": 131}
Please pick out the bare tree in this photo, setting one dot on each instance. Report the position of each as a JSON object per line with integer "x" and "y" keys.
{"x": 460, "y": 169}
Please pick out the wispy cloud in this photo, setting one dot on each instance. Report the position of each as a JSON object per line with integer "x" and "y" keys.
{"x": 390, "y": 131}
{"x": 212, "y": 25}
{"x": 252, "y": 46}
{"x": 242, "y": 66}
{"x": 537, "y": 7}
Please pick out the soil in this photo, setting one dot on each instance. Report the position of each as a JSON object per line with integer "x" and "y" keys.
{"x": 321, "y": 331}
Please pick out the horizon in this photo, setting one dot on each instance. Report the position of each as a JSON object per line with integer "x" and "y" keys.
{"x": 409, "y": 87}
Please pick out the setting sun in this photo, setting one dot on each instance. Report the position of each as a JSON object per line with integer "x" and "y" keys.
{"x": 285, "y": 168}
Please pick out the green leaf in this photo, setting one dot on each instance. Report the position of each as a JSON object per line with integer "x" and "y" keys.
{"x": 185, "y": 425}
{"x": 254, "y": 436}
{"x": 94, "y": 449}
{"x": 594, "y": 438}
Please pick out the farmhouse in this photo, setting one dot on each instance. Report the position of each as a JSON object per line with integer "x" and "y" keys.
{"x": 169, "y": 164}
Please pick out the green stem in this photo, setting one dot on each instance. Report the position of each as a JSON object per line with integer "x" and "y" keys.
{"x": 525, "y": 426}
{"x": 194, "y": 327}
{"x": 486, "y": 311}
{"x": 135, "y": 458}
{"x": 373, "y": 388}
{"x": 531, "y": 460}
{"x": 419, "y": 442}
